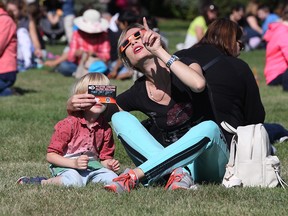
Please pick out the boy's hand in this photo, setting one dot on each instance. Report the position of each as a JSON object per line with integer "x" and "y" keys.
{"x": 81, "y": 162}
{"x": 111, "y": 164}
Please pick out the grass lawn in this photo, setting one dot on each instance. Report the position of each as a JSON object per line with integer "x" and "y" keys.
{"x": 27, "y": 124}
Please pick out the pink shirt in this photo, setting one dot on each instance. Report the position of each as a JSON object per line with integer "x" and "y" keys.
{"x": 96, "y": 43}
{"x": 72, "y": 136}
{"x": 8, "y": 43}
{"x": 276, "y": 51}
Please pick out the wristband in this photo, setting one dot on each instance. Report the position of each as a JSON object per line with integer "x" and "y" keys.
{"x": 171, "y": 60}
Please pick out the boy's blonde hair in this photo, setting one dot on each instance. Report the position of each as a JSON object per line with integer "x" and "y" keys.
{"x": 81, "y": 86}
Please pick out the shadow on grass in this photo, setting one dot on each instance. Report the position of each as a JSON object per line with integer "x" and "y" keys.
{"x": 17, "y": 91}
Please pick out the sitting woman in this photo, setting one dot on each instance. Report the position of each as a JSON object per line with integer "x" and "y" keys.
{"x": 231, "y": 82}
{"x": 190, "y": 149}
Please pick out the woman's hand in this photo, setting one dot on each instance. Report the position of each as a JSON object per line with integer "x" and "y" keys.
{"x": 80, "y": 102}
{"x": 50, "y": 63}
{"x": 151, "y": 40}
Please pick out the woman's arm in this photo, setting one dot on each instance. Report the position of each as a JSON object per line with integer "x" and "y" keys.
{"x": 55, "y": 62}
{"x": 34, "y": 38}
{"x": 191, "y": 75}
{"x": 252, "y": 21}
{"x": 199, "y": 32}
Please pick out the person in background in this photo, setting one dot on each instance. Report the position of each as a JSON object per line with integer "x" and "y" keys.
{"x": 91, "y": 37}
{"x": 276, "y": 61}
{"x": 237, "y": 12}
{"x": 52, "y": 21}
{"x": 116, "y": 66}
{"x": 28, "y": 32}
{"x": 252, "y": 31}
{"x": 8, "y": 52}
{"x": 266, "y": 16}
{"x": 68, "y": 17}
{"x": 231, "y": 82}
{"x": 198, "y": 26}
{"x": 82, "y": 147}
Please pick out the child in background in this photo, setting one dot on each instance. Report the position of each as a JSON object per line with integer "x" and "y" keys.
{"x": 78, "y": 144}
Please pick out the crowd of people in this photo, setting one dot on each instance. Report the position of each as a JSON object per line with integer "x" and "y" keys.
{"x": 92, "y": 35}
{"x": 185, "y": 95}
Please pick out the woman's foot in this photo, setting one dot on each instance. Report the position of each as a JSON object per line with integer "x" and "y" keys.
{"x": 180, "y": 180}
{"x": 125, "y": 182}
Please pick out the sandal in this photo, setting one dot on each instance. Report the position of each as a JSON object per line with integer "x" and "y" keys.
{"x": 30, "y": 180}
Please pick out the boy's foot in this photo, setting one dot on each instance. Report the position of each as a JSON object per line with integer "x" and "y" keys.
{"x": 180, "y": 180}
{"x": 125, "y": 182}
{"x": 30, "y": 180}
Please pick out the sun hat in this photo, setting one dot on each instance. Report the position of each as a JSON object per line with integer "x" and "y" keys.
{"x": 97, "y": 66}
{"x": 91, "y": 22}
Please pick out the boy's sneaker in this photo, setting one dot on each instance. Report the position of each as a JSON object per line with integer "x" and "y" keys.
{"x": 30, "y": 180}
{"x": 180, "y": 180}
{"x": 125, "y": 182}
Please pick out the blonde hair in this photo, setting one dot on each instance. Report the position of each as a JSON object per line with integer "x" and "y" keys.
{"x": 122, "y": 37}
{"x": 251, "y": 8}
{"x": 81, "y": 86}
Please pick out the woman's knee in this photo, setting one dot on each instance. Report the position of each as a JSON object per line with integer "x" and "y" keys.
{"x": 124, "y": 120}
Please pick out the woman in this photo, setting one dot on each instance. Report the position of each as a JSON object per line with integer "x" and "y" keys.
{"x": 8, "y": 52}
{"x": 90, "y": 38}
{"x": 167, "y": 93}
{"x": 235, "y": 92}
{"x": 276, "y": 65}
{"x": 232, "y": 84}
{"x": 26, "y": 21}
{"x": 198, "y": 26}
{"x": 251, "y": 28}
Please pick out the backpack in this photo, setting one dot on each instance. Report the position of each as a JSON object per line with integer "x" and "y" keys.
{"x": 251, "y": 163}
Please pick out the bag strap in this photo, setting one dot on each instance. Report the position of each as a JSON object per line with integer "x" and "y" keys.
{"x": 228, "y": 127}
{"x": 210, "y": 95}
{"x": 280, "y": 180}
{"x": 212, "y": 62}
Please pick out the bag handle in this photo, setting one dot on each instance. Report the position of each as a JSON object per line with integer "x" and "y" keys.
{"x": 228, "y": 127}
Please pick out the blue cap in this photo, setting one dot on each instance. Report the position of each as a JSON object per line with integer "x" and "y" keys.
{"x": 97, "y": 67}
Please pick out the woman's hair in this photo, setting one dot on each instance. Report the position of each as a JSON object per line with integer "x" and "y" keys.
{"x": 128, "y": 16}
{"x": 284, "y": 13}
{"x": 21, "y": 5}
{"x": 251, "y": 8}
{"x": 122, "y": 37}
{"x": 206, "y": 8}
{"x": 81, "y": 86}
{"x": 224, "y": 34}
{"x": 2, "y": 5}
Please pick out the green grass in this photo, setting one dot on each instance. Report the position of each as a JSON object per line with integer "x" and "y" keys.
{"x": 27, "y": 124}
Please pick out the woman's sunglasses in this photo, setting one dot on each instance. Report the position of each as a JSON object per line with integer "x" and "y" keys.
{"x": 127, "y": 42}
{"x": 241, "y": 45}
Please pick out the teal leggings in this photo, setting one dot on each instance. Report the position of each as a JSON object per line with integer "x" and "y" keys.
{"x": 202, "y": 149}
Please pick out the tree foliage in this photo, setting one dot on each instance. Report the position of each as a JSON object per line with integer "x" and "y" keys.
{"x": 184, "y": 9}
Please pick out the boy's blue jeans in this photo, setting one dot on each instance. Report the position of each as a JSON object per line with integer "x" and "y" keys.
{"x": 80, "y": 178}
